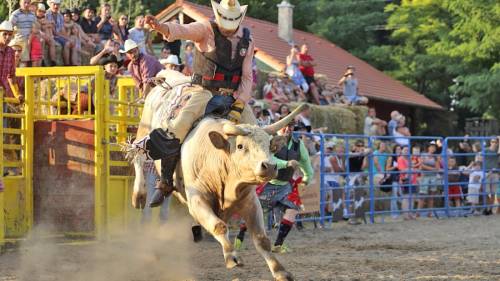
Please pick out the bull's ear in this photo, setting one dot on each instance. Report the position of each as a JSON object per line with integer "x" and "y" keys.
{"x": 219, "y": 141}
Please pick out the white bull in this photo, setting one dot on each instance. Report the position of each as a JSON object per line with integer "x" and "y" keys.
{"x": 221, "y": 164}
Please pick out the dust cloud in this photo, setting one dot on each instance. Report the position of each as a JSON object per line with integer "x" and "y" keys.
{"x": 152, "y": 253}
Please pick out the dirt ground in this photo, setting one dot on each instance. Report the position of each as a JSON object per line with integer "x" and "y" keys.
{"x": 427, "y": 249}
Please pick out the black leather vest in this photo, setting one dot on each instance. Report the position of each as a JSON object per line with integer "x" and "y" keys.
{"x": 217, "y": 69}
{"x": 286, "y": 154}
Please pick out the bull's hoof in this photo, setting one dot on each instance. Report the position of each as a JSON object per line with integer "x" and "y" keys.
{"x": 283, "y": 276}
{"x": 139, "y": 200}
{"x": 233, "y": 261}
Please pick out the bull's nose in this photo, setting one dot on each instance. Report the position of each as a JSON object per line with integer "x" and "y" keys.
{"x": 268, "y": 166}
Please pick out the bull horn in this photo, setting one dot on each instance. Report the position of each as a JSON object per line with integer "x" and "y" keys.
{"x": 233, "y": 130}
{"x": 275, "y": 127}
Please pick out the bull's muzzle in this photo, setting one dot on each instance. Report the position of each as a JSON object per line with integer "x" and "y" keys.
{"x": 267, "y": 170}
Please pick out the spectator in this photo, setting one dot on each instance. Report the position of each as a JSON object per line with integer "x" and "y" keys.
{"x": 392, "y": 168}
{"x": 491, "y": 166}
{"x": 110, "y": 47}
{"x": 407, "y": 181}
{"x": 393, "y": 123}
{"x": 351, "y": 88}
{"x": 75, "y": 15}
{"x": 476, "y": 177}
{"x": 142, "y": 67}
{"x": 335, "y": 162}
{"x": 257, "y": 110}
{"x": 23, "y": 19}
{"x": 380, "y": 158}
{"x": 305, "y": 117}
{"x": 357, "y": 163}
{"x": 402, "y": 132}
{"x": 165, "y": 52}
{"x": 306, "y": 66}
{"x": 264, "y": 119}
{"x": 76, "y": 38}
{"x": 36, "y": 51}
{"x": 122, "y": 28}
{"x": 138, "y": 34}
{"x": 172, "y": 62}
{"x": 188, "y": 59}
{"x": 429, "y": 181}
{"x": 276, "y": 93}
{"x": 274, "y": 110}
{"x": 284, "y": 110}
{"x": 373, "y": 125}
{"x": 53, "y": 15}
{"x": 7, "y": 59}
{"x": 89, "y": 24}
{"x": 293, "y": 70}
{"x": 47, "y": 35}
{"x": 105, "y": 23}
{"x": 174, "y": 46}
{"x": 464, "y": 152}
{"x": 454, "y": 190}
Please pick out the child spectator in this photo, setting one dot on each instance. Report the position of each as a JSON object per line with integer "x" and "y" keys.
{"x": 36, "y": 51}
{"x": 476, "y": 177}
{"x": 138, "y": 35}
{"x": 454, "y": 190}
{"x": 428, "y": 184}
{"x": 393, "y": 123}
{"x": 407, "y": 180}
{"x": 293, "y": 71}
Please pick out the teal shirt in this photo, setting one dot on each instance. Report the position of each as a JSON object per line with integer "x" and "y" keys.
{"x": 304, "y": 164}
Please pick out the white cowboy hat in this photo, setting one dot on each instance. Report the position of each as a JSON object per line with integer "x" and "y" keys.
{"x": 6, "y": 26}
{"x": 53, "y": 1}
{"x": 171, "y": 59}
{"x": 229, "y": 13}
{"x": 129, "y": 45}
{"x": 41, "y": 7}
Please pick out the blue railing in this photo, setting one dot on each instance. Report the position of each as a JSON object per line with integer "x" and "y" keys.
{"x": 437, "y": 188}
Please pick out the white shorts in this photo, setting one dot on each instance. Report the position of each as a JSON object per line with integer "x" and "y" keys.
{"x": 473, "y": 195}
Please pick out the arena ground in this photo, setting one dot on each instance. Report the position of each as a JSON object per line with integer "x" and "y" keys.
{"x": 427, "y": 249}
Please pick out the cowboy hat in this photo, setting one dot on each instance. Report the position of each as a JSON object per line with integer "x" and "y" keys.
{"x": 171, "y": 59}
{"x": 229, "y": 13}
{"x": 129, "y": 45}
{"x": 18, "y": 41}
{"x": 53, "y": 1}
{"x": 109, "y": 59}
{"x": 6, "y": 26}
{"x": 41, "y": 7}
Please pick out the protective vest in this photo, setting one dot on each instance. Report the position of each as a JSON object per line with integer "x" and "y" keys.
{"x": 217, "y": 69}
{"x": 287, "y": 154}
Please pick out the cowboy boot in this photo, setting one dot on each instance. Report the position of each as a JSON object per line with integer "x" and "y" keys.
{"x": 165, "y": 186}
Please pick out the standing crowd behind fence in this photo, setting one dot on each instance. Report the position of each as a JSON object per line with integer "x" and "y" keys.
{"x": 431, "y": 176}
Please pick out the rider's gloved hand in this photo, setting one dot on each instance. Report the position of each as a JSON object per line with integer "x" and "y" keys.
{"x": 236, "y": 110}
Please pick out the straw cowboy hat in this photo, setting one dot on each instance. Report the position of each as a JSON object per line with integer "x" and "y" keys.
{"x": 6, "y": 26}
{"x": 17, "y": 41}
{"x": 129, "y": 45}
{"x": 171, "y": 59}
{"x": 229, "y": 13}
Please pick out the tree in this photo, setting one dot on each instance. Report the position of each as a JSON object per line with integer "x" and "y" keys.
{"x": 448, "y": 50}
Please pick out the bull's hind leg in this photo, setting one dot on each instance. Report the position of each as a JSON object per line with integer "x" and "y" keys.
{"x": 253, "y": 216}
{"x": 200, "y": 209}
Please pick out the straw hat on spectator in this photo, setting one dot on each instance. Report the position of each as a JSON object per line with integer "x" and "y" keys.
{"x": 6, "y": 26}
{"x": 18, "y": 41}
{"x": 229, "y": 13}
{"x": 129, "y": 45}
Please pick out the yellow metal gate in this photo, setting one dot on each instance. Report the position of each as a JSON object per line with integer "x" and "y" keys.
{"x": 65, "y": 94}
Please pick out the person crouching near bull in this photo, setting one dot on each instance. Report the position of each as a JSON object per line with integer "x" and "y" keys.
{"x": 292, "y": 155}
{"x": 221, "y": 83}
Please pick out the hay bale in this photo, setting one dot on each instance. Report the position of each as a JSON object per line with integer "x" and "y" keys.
{"x": 338, "y": 119}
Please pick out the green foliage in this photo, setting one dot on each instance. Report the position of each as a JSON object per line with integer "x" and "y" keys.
{"x": 448, "y": 50}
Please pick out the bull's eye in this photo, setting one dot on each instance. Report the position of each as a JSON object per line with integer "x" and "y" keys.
{"x": 240, "y": 146}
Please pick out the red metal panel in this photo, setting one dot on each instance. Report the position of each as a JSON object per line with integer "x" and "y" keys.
{"x": 63, "y": 176}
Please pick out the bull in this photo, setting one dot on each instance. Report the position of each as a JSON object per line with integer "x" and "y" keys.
{"x": 220, "y": 165}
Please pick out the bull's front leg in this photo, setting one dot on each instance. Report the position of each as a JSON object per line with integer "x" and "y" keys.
{"x": 201, "y": 210}
{"x": 253, "y": 216}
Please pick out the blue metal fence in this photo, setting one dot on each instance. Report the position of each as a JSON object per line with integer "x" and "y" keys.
{"x": 414, "y": 186}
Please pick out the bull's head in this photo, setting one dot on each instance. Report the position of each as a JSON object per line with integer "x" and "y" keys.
{"x": 248, "y": 148}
